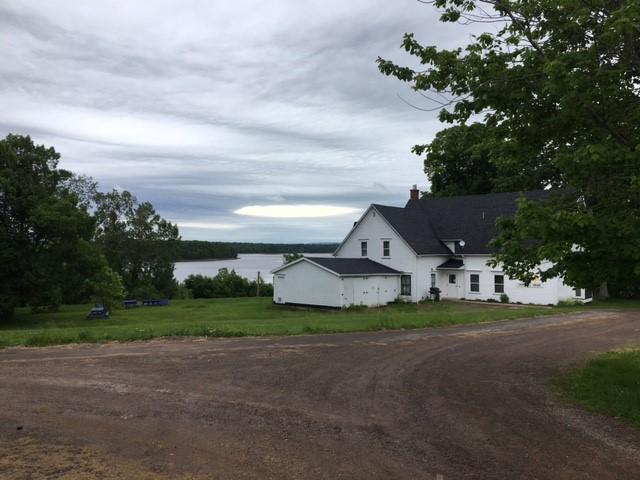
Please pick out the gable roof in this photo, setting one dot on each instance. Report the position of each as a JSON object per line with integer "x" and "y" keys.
{"x": 412, "y": 225}
{"x": 425, "y": 223}
{"x": 344, "y": 266}
{"x": 353, "y": 266}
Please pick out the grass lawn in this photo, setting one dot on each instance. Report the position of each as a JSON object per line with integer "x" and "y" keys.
{"x": 609, "y": 383}
{"x": 240, "y": 317}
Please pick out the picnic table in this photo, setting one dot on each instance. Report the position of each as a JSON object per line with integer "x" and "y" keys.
{"x": 156, "y": 302}
{"x": 98, "y": 312}
{"x": 130, "y": 303}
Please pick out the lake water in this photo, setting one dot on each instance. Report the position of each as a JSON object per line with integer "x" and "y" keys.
{"x": 246, "y": 265}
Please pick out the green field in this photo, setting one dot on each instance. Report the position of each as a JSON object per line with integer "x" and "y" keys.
{"x": 609, "y": 383}
{"x": 241, "y": 317}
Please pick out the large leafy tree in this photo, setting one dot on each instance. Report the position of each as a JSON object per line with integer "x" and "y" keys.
{"x": 556, "y": 83}
{"x": 138, "y": 243}
{"x": 458, "y": 163}
{"x": 46, "y": 254}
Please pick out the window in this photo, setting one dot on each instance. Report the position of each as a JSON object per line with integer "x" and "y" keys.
{"x": 386, "y": 248}
{"x": 433, "y": 280}
{"x": 363, "y": 249}
{"x": 474, "y": 283}
{"x": 498, "y": 283}
{"x": 405, "y": 285}
{"x": 452, "y": 278}
{"x": 577, "y": 292}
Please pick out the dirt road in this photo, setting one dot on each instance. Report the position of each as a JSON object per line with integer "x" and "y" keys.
{"x": 467, "y": 402}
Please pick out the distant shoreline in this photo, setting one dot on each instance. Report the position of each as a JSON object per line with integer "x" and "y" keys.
{"x": 222, "y": 259}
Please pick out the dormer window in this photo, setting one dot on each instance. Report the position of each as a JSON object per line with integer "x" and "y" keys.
{"x": 363, "y": 248}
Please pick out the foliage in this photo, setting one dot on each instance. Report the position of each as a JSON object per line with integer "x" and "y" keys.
{"x": 556, "y": 86}
{"x": 291, "y": 257}
{"x": 183, "y": 293}
{"x": 138, "y": 244}
{"x": 607, "y": 384}
{"x": 45, "y": 238}
{"x": 504, "y": 298}
{"x": 238, "y": 317}
{"x": 226, "y": 284}
{"x": 457, "y": 163}
{"x": 107, "y": 288}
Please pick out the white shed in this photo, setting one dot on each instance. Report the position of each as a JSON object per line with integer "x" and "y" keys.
{"x": 335, "y": 282}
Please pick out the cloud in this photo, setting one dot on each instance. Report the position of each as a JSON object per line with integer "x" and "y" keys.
{"x": 295, "y": 211}
{"x": 203, "y": 108}
{"x": 208, "y": 226}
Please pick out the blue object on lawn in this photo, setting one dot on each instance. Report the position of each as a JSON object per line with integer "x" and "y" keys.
{"x": 98, "y": 312}
{"x": 130, "y": 303}
{"x": 156, "y": 302}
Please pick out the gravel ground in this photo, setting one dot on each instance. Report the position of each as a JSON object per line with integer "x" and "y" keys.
{"x": 466, "y": 402}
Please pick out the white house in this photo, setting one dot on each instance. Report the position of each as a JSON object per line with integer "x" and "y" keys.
{"x": 401, "y": 252}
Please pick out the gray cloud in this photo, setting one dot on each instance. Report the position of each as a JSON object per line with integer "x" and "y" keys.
{"x": 205, "y": 107}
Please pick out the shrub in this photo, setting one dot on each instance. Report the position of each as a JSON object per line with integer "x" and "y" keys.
{"x": 199, "y": 285}
{"x": 225, "y": 284}
{"x": 356, "y": 308}
{"x": 568, "y": 303}
{"x": 504, "y": 298}
{"x": 107, "y": 288}
{"x": 183, "y": 293}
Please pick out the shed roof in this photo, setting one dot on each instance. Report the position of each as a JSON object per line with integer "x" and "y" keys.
{"x": 353, "y": 266}
{"x": 451, "y": 264}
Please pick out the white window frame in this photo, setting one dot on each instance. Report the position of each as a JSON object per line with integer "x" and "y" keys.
{"x": 472, "y": 283}
{"x": 455, "y": 279}
{"x": 402, "y": 291}
{"x": 364, "y": 248}
{"x": 388, "y": 248}
{"x": 495, "y": 283}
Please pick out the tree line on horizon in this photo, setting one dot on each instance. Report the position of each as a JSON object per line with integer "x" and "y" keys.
{"x": 205, "y": 250}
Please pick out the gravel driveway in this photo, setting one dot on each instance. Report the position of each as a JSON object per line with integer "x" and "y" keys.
{"x": 466, "y": 402}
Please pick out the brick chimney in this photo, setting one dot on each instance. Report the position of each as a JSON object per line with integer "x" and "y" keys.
{"x": 414, "y": 193}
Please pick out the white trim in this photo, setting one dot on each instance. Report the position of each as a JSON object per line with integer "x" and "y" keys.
{"x": 304, "y": 259}
{"x": 286, "y": 265}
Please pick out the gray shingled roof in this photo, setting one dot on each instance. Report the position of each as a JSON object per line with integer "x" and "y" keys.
{"x": 472, "y": 218}
{"x": 451, "y": 264}
{"x": 354, "y": 266}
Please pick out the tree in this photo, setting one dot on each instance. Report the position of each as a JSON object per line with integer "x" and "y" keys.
{"x": 457, "y": 163}
{"x": 138, "y": 244}
{"x": 557, "y": 88}
{"x": 106, "y": 287}
{"x": 45, "y": 233}
{"x": 291, "y": 257}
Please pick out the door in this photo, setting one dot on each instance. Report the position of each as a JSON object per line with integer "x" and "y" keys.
{"x": 453, "y": 284}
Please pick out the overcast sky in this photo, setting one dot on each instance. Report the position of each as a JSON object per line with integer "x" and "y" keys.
{"x": 239, "y": 120}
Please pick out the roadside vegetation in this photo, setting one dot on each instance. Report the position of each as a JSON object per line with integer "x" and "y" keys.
{"x": 609, "y": 384}
{"x": 228, "y": 317}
